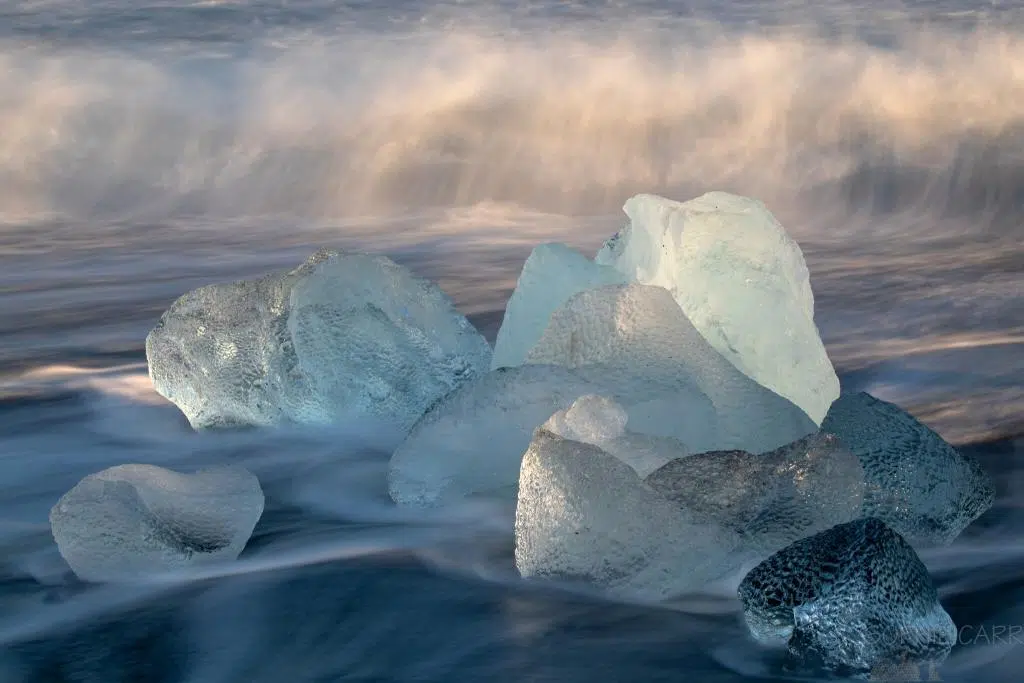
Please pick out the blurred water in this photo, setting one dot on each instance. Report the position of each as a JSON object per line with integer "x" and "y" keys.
{"x": 147, "y": 148}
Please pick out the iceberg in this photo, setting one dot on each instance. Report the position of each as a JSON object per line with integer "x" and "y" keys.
{"x": 742, "y": 282}
{"x": 131, "y": 521}
{"x": 345, "y": 336}
{"x": 853, "y": 599}
{"x": 917, "y": 483}
{"x": 583, "y": 515}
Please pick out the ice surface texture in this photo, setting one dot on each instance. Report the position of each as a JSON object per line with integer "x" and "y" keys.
{"x": 641, "y": 330}
{"x": 130, "y": 521}
{"x": 600, "y": 421}
{"x": 850, "y": 599}
{"x": 629, "y": 343}
{"x": 771, "y": 499}
{"x": 472, "y": 441}
{"x": 344, "y": 336}
{"x": 551, "y": 275}
{"x": 584, "y": 515}
{"x": 742, "y": 282}
{"x": 916, "y": 482}
{"x": 590, "y": 419}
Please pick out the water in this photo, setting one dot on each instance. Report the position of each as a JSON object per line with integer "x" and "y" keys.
{"x": 147, "y": 148}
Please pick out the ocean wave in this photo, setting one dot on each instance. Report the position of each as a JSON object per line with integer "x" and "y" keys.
{"x": 562, "y": 120}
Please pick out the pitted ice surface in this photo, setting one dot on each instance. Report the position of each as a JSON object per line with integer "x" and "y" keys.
{"x": 771, "y": 499}
{"x": 131, "y": 521}
{"x": 853, "y": 598}
{"x": 583, "y": 515}
{"x": 916, "y": 483}
{"x": 343, "y": 337}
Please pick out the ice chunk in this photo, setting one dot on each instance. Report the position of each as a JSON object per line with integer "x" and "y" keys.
{"x": 600, "y": 421}
{"x": 590, "y": 419}
{"x": 552, "y": 273}
{"x": 853, "y": 598}
{"x": 641, "y": 330}
{"x": 742, "y": 282}
{"x": 130, "y": 521}
{"x": 916, "y": 482}
{"x": 342, "y": 337}
{"x": 472, "y": 441}
{"x": 772, "y": 499}
{"x": 584, "y": 515}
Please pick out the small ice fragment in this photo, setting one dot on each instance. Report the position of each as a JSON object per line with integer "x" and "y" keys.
{"x": 600, "y": 421}
{"x": 590, "y": 419}
{"x": 131, "y": 521}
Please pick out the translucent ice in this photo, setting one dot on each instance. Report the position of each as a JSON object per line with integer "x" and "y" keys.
{"x": 551, "y": 274}
{"x": 600, "y": 421}
{"x": 641, "y": 330}
{"x": 472, "y": 441}
{"x": 590, "y": 419}
{"x": 916, "y": 482}
{"x": 853, "y": 598}
{"x": 771, "y": 499}
{"x": 584, "y": 515}
{"x": 343, "y": 336}
{"x": 130, "y": 521}
{"x": 742, "y": 282}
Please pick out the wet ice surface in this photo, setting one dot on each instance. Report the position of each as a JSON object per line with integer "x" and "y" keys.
{"x": 771, "y": 499}
{"x": 133, "y": 522}
{"x": 341, "y": 338}
{"x": 853, "y": 598}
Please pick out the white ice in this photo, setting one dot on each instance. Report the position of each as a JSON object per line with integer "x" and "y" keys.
{"x": 742, "y": 282}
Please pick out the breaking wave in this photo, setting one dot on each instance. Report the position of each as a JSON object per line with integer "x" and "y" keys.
{"x": 560, "y": 120}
